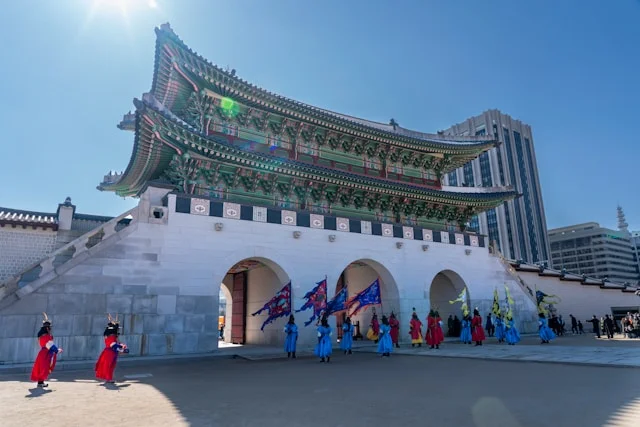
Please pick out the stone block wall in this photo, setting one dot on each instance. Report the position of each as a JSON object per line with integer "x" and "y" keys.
{"x": 131, "y": 278}
{"x": 20, "y": 248}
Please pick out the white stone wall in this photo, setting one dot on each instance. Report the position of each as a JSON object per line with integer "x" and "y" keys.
{"x": 164, "y": 282}
{"x": 583, "y": 301}
{"x": 19, "y": 248}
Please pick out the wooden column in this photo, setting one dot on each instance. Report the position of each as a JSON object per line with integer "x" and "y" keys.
{"x": 239, "y": 308}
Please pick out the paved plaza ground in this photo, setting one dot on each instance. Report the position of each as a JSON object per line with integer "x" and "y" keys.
{"x": 357, "y": 390}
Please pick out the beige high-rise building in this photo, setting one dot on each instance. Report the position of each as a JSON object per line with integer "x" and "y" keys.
{"x": 519, "y": 226}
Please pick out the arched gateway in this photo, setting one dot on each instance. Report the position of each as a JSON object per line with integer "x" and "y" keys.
{"x": 446, "y": 286}
{"x": 249, "y": 284}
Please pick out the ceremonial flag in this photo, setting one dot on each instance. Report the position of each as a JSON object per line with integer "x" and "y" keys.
{"x": 509, "y": 302}
{"x": 316, "y": 299}
{"x": 496, "y": 302}
{"x": 338, "y": 303}
{"x": 463, "y": 299}
{"x": 542, "y": 298}
{"x": 365, "y": 298}
{"x": 278, "y": 306}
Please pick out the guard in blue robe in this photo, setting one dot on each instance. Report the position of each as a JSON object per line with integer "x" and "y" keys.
{"x": 385, "y": 344}
{"x": 347, "y": 336}
{"x": 512, "y": 334}
{"x": 545, "y": 332}
{"x": 291, "y": 337}
{"x": 465, "y": 333}
{"x": 323, "y": 348}
{"x": 501, "y": 329}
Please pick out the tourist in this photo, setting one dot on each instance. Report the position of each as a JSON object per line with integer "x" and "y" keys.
{"x": 544, "y": 331}
{"x": 395, "y": 329}
{"x": 450, "y": 326}
{"x": 291, "y": 337}
{"x": 560, "y": 325}
{"x": 477, "y": 333}
{"x": 457, "y": 326}
{"x": 347, "y": 336}
{"x": 434, "y": 331}
{"x": 580, "y": 327}
{"x": 490, "y": 326}
{"x": 46, "y": 359}
{"x": 106, "y": 364}
{"x": 596, "y": 325}
{"x": 385, "y": 346}
{"x": 323, "y": 348}
{"x": 415, "y": 330}
{"x": 608, "y": 326}
{"x": 512, "y": 335}
{"x": 574, "y": 324}
{"x": 374, "y": 328}
{"x": 501, "y": 330}
{"x": 465, "y": 332}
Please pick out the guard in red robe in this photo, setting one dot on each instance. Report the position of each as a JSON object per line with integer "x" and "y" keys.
{"x": 395, "y": 329}
{"x": 106, "y": 364}
{"x": 415, "y": 330}
{"x": 434, "y": 330}
{"x": 477, "y": 332}
{"x": 47, "y": 356}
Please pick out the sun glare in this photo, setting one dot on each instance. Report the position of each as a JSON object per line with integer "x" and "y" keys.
{"x": 125, "y": 7}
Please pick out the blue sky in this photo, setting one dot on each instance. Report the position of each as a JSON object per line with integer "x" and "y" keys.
{"x": 70, "y": 69}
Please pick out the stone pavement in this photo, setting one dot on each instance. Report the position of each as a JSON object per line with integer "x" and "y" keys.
{"x": 352, "y": 391}
{"x": 578, "y": 350}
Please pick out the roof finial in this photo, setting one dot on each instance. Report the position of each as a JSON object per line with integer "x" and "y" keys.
{"x": 393, "y": 123}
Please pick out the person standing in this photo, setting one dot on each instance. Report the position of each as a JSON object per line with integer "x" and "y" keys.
{"x": 501, "y": 330}
{"x": 490, "y": 326}
{"x": 395, "y": 329}
{"x": 385, "y": 346}
{"x": 596, "y": 325}
{"x": 544, "y": 331}
{"x": 574, "y": 324}
{"x": 580, "y": 327}
{"x": 465, "y": 330}
{"x": 477, "y": 333}
{"x": 106, "y": 364}
{"x": 46, "y": 360}
{"x": 291, "y": 337}
{"x": 323, "y": 348}
{"x": 374, "y": 328}
{"x": 434, "y": 331}
{"x": 415, "y": 330}
{"x": 347, "y": 336}
{"x": 512, "y": 336}
{"x": 608, "y": 326}
{"x": 450, "y": 326}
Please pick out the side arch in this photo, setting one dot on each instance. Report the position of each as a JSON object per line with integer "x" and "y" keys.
{"x": 445, "y": 286}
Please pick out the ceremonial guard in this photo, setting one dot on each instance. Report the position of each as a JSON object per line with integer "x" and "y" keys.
{"x": 291, "y": 337}
{"x": 395, "y": 329}
{"x": 465, "y": 331}
{"x": 323, "y": 348}
{"x": 347, "y": 336}
{"x": 545, "y": 332}
{"x": 106, "y": 364}
{"x": 434, "y": 330}
{"x": 47, "y": 356}
{"x": 501, "y": 329}
{"x": 512, "y": 334}
{"x": 477, "y": 332}
{"x": 385, "y": 346}
{"x": 415, "y": 330}
{"x": 374, "y": 328}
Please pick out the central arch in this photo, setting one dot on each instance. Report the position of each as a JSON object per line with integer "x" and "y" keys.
{"x": 445, "y": 287}
{"x": 246, "y": 287}
{"x": 357, "y": 276}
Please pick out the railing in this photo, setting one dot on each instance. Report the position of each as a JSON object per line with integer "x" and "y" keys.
{"x": 50, "y": 267}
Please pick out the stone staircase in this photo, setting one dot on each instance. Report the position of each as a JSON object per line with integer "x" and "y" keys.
{"x": 66, "y": 257}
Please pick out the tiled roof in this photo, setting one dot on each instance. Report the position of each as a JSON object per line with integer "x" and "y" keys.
{"x": 27, "y": 218}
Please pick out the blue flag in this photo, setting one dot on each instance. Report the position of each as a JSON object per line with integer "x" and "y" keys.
{"x": 278, "y": 306}
{"x": 369, "y": 296}
{"x": 338, "y": 303}
{"x": 316, "y": 299}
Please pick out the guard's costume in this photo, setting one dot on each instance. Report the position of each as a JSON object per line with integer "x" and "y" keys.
{"x": 395, "y": 329}
{"x": 106, "y": 364}
{"x": 47, "y": 356}
{"x": 434, "y": 336}
{"x": 477, "y": 332}
{"x": 291, "y": 337}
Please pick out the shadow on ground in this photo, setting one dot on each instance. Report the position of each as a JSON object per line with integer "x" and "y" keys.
{"x": 357, "y": 390}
